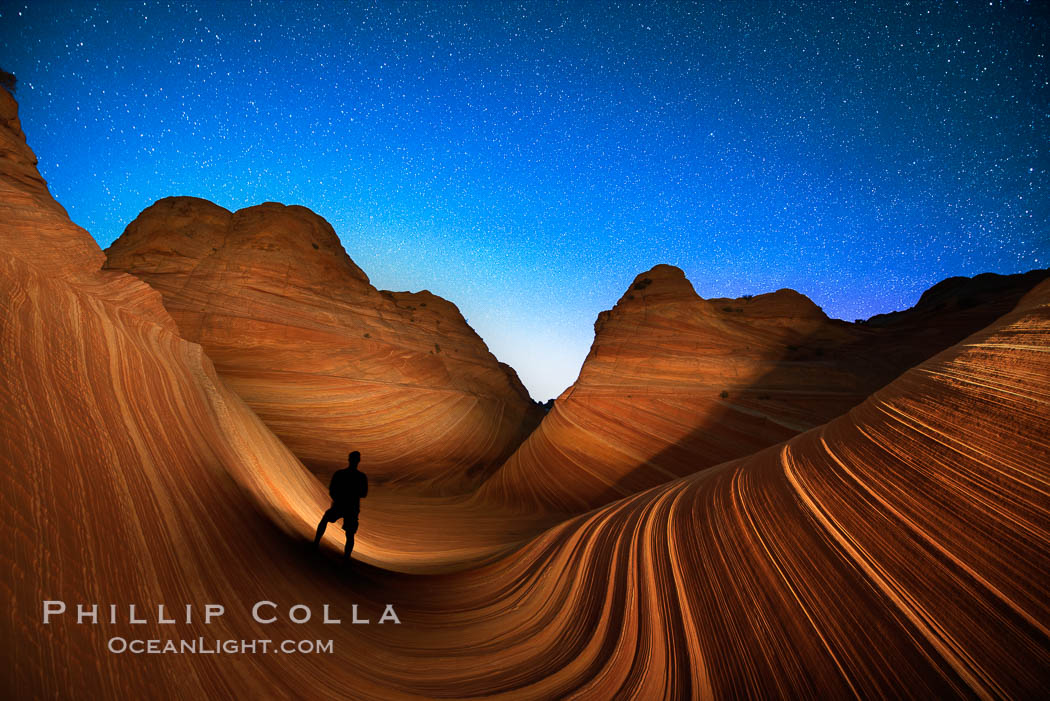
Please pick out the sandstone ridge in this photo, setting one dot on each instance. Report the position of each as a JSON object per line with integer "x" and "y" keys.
{"x": 329, "y": 362}
{"x": 675, "y": 383}
{"x": 897, "y": 551}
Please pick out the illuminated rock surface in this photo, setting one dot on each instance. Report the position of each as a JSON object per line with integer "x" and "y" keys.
{"x": 899, "y": 550}
{"x": 326, "y": 360}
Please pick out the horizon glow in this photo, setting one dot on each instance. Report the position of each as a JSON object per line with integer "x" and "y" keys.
{"x": 527, "y": 161}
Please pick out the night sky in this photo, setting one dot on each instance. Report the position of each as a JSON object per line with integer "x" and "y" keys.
{"x": 526, "y": 161}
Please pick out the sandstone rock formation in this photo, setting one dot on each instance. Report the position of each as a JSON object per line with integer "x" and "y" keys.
{"x": 945, "y": 314}
{"x": 326, "y": 360}
{"x": 898, "y": 551}
{"x": 675, "y": 383}
{"x": 109, "y": 424}
{"x": 57, "y": 246}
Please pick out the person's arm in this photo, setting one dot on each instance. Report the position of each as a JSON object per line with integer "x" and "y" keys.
{"x": 364, "y": 485}
{"x": 331, "y": 485}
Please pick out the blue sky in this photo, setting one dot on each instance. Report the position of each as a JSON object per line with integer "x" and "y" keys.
{"x": 527, "y": 160}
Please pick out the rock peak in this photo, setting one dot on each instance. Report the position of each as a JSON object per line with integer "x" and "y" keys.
{"x": 267, "y": 236}
{"x": 287, "y": 318}
{"x": 786, "y": 303}
{"x": 661, "y": 281}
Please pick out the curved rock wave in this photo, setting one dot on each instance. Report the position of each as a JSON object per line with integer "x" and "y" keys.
{"x": 675, "y": 383}
{"x": 898, "y": 551}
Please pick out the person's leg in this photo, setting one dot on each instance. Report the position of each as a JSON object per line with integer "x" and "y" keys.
{"x": 349, "y": 548}
{"x": 350, "y": 526}
{"x": 321, "y": 527}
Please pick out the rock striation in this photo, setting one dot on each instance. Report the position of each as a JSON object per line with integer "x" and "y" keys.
{"x": 329, "y": 362}
{"x": 120, "y": 448}
{"x": 899, "y": 550}
{"x": 57, "y": 246}
{"x": 896, "y": 551}
{"x": 675, "y": 383}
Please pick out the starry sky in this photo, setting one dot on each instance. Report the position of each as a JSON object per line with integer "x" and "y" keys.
{"x": 528, "y": 160}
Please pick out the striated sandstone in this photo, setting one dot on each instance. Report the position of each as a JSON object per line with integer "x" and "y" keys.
{"x": 675, "y": 383}
{"x": 898, "y": 551}
{"x": 326, "y": 360}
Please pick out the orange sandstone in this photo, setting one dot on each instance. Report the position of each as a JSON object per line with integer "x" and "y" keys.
{"x": 326, "y": 360}
{"x": 899, "y": 550}
{"x": 675, "y": 383}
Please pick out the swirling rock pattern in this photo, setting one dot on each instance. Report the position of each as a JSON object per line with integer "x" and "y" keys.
{"x": 324, "y": 358}
{"x": 900, "y": 550}
{"x": 675, "y": 383}
{"x": 109, "y": 423}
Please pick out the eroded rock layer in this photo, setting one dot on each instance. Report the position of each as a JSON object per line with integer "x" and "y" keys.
{"x": 898, "y": 551}
{"x": 675, "y": 383}
{"x": 119, "y": 449}
{"x": 327, "y": 361}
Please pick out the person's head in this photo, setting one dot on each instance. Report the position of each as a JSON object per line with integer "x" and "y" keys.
{"x": 353, "y": 459}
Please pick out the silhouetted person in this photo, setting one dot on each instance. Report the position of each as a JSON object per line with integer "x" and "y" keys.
{"x": 347, "y": 488}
